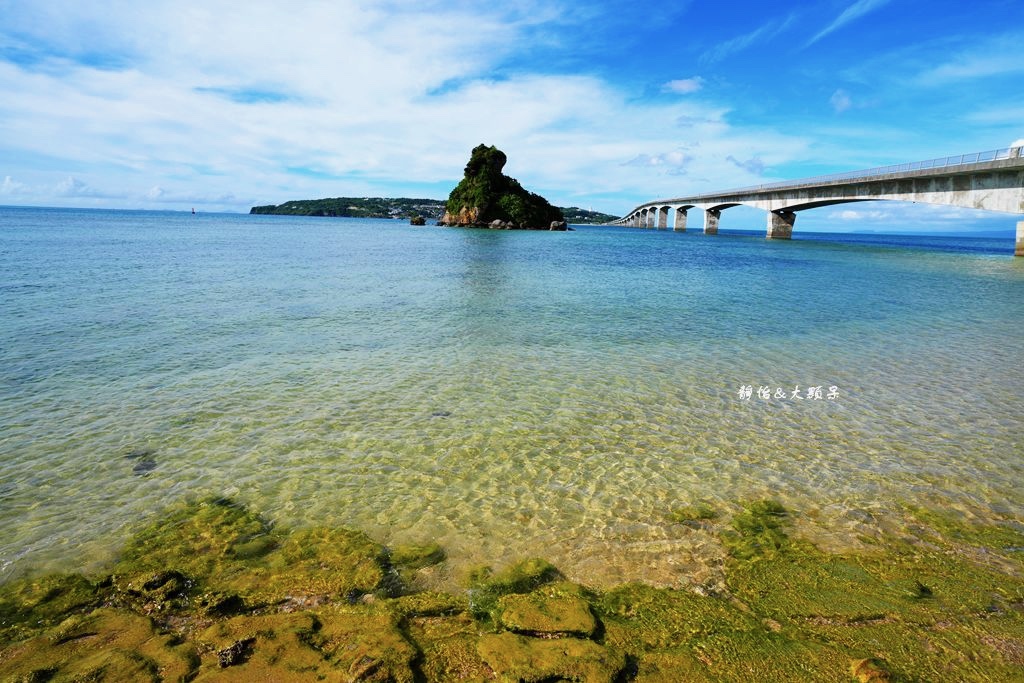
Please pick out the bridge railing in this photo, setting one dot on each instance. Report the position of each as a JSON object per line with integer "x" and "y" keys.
{"x": 941, "y": 162}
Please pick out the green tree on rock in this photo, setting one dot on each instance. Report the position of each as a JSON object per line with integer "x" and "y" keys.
{"x": 485, "y": 195}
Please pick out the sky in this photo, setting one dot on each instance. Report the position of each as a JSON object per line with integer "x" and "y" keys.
{"x": 603, "y": 105}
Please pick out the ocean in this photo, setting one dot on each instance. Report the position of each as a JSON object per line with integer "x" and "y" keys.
{"x": 506, "y": 394}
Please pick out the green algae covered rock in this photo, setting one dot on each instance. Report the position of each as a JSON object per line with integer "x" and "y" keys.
{"x": 332, "y": 562}
{"x": 758, "y": 531}
{"x": 213, "y": 592}
{"x": 32, "y": 603}
{"x": 487, "y": 198}
{"x": 555, "y": 609}
{"x": 105, "y": 645}
{"x": 272, "y": 647}
{"x": 486, "y": 586}
{"x": 366, "y": 646}
{"x": 518, "y": 658}
{"x": 216, "y": 545}
{"x": 449, "y": 648}
{"x": 200, "y": 541}
{"x": 427, "y": 604}
{"x": 356, "y": 645}
{"x": 417, "y": 556}
{"x": 870, "y": 670}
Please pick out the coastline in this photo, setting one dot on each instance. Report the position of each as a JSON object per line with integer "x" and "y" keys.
{"x": 213, "y": 591}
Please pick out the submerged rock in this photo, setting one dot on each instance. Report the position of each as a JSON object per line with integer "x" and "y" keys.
{"x": 870, "y": 670}
{"x": 216, "y": 545}
{"x": 144, "y": 467}
{"x": 144, "y": 460}
{"x": 522, "y": 577}
{"x": 212, "y": 592}
{"x": 558, "y": 609}
{"x": 43, "y": 601}
{"x": 518, "y": 658}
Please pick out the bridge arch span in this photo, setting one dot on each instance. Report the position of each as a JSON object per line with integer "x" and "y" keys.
{"x": 990, "y": 181}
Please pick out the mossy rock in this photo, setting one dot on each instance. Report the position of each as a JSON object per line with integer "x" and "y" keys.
{"x": 486, "y": 586}
{"x": 486, "y": 195}
{"x": 518, "y": 658}
{"x": 367, "y": 646}
{"x": 105, "y": 645}
{"x": 870, "y": 670}
{"x": 448, "y": 646}
{"x": 555, "y": 609}
{"x": 671, "y": 666}
{"x": 201, "y": 540}
{"x": 426, "y": 604}
{"x": 332, "y": 562}
{"x": 694, "y": 514}
{"x": 913, "y": 585}
{"x": 758, "y": 531}
{"x": 407, "y": 560}
{"x": 416, "y": 556}
{"x": 273, "y": 647}
{"x": 638, "y": 617}
{"x": 218, "y": 546}
{"x": 947, "y": 527}
{"x": 29, "y": 604}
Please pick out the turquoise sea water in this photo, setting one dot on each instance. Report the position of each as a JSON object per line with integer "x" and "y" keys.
{"x": 507, "y": 394}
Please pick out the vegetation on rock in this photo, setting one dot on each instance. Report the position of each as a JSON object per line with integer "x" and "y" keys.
{"x": 213, "y": 592}
{"x": 486, "y": 195}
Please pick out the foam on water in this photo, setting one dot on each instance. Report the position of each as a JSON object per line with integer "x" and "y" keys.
{"x": 506, "y": 394}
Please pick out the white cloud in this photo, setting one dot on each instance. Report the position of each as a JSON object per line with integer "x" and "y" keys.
{"x": 854, "y": 11}
{"x": 840, "y": 101}
{"x": 206, "y": 104}
{"x": 769, "y": 29}
{"x": 899, "y": 215}
{"x": 1001, "y": 55}
{"x": 10, "y": 187}
{"x": 855, "y": 215}
{"x": 674, "y": 161}
{"x": 73, "y": 187}
{"x": 754, "y": 165}
{"x": 684, "y": 86}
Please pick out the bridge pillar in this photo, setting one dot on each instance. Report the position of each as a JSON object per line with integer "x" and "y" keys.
{"x": 649, "y": 223}
{"x": 680, "y": 224}
{"x": 1019, "y": 250}
{"x": 711, "y": 217}
{"x": 662, "y": 218}
{"x": 780, "y": 224}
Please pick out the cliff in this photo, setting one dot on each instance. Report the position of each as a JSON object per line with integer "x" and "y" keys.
{"x": 488, "y": 198}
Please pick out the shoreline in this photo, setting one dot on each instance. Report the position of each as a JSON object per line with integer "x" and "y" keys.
{"x": 211, "y": 590}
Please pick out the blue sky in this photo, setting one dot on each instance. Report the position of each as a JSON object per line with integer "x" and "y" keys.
{"x": 222, "y": 105}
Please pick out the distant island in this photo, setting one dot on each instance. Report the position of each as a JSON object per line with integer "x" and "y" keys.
{"x": 398, "y": 207}
{"x": 493, "y": 195}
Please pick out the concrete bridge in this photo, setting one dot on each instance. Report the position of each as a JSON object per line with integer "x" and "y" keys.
{"x": 991, "y": 181}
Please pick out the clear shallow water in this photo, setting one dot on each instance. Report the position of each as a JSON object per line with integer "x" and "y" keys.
{"x": 507, "y": 394}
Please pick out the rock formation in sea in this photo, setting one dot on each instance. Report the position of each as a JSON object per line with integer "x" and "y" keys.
{"x": 487, "y": 198}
